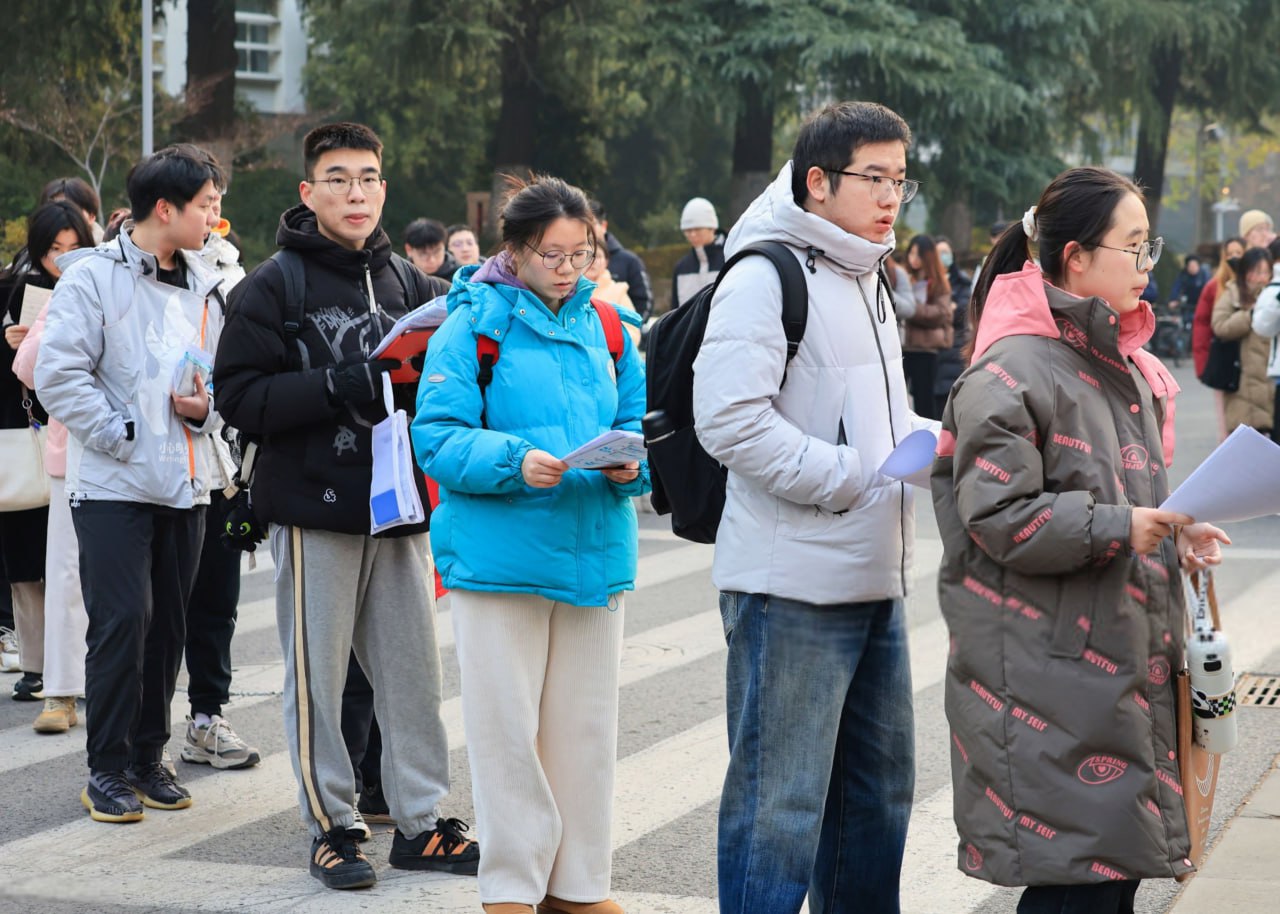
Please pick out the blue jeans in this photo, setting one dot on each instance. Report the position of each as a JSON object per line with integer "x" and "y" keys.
{"x": 821, "y": 756}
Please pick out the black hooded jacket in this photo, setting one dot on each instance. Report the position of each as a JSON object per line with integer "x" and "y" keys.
{"x": 315, "y": 462}
{"x": 625, "y": 266}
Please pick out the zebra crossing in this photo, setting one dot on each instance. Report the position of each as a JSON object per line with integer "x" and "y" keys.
{"x": 241, "y": 848}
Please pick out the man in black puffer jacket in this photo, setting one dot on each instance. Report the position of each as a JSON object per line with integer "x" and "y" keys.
{"x": 312, "y": 397}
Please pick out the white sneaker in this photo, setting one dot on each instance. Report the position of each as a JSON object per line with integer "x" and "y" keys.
{"x": 360, "y": 828}
{"x": 217, "y": 745}
{"x": 9, "y": 661}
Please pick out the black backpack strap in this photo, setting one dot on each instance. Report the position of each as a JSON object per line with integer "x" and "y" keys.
{"x": 404, "y": 272}
{"x": 795, "y": 288}
{"x": 295, "y": 290}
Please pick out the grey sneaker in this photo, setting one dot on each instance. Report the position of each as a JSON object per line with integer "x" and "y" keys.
{"x": 217, "y": 745}
{"x": 9, "y": 662}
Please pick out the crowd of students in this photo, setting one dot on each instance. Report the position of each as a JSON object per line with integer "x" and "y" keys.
{"x": 155, "y": 345}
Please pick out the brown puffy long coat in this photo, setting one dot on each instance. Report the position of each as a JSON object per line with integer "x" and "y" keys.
{"x": 1059, "y": 687}
{"x": 1254, "y": 403}
{"x": 931, "y": 328}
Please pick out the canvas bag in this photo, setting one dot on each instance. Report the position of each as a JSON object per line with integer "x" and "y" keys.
{"x": 24, "y": 484}
{"x": 1197, "y": 767}
{"x": 393, "y": 488}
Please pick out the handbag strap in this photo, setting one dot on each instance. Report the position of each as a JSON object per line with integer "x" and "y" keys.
{"x": 1202, "y": 602}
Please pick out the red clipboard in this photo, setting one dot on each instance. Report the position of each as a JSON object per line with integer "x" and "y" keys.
{"x": 404, "y": 348}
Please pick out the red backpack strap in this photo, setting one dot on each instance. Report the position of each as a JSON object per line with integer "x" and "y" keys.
{"x": 486, "y": 355}
{"x": 612, "y": 325}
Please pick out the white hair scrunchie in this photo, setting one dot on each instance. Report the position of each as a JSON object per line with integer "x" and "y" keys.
{"x": 1029, "y": 225}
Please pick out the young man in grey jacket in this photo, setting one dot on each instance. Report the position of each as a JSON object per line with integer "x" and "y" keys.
{"x": 130, "y": 324}
{"x": 813, "y": 548}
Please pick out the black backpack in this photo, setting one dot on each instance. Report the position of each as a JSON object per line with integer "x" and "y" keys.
{"x": 688, "y": 483}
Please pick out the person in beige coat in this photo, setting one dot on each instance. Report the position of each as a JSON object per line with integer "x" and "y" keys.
{"x": 1253, "y": 404}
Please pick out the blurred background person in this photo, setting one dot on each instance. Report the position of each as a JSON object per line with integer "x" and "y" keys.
{"x": 424, "y": 245}
{"x": 461, "y": 243}
{"x": 1253, "y": 403}
{"x": 1202, "y": 322}
{"x": 950, "y": 360}
{"x": 701, "y": 266}
{"x": 930, "y": 329}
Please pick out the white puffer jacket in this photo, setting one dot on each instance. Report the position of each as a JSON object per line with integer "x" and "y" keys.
{"x": 113, "y": 337}
{"x": 1266, "y": 321}
{"x": 807, "y": 515}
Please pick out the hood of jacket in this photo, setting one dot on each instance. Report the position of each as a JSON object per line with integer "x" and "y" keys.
{"x": 300, "y": 231}
{"x": 774, "y": 216}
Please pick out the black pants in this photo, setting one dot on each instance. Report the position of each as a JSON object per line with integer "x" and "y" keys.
{"x": 360, "y": 727}
{"x": 211, "y": 617}
{"x": 137, "y": 567}
{"x": 1095, "y": 898}
{"x": 921, "y": 370}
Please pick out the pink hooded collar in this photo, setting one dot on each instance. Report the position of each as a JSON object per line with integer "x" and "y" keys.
{"x": 1018, "y": 305}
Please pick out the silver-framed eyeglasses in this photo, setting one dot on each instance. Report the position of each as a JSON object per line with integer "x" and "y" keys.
{"x": 579, "y": 260}
{"x": 1147, "y": 254}
{"x": 340, "y": 185}
{"x": 882, "y": 187}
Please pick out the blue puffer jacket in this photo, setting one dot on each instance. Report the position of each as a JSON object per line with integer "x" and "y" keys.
{"x": 554, "y": 389}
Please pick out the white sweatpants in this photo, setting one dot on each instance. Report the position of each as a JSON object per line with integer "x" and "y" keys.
{"x": 540, "y": 708}
{"x": 65, "y": 619}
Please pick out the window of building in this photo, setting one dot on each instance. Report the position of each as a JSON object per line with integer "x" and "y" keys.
{"x": 257, "y": 39}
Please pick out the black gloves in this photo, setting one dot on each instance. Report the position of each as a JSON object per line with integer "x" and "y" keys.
{"x": 241, "y": 530}
{"x": 359, "y": 382}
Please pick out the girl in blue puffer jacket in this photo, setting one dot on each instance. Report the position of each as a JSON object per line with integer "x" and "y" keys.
{"x": 537, "y": 554}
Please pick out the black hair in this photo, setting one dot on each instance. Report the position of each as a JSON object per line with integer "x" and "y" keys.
{"x": 424, "y": 233}
{"x": 455, "y": 229}
{"x": 534, "y": 205}
{"x": 832, "y": 136}
{"x": 176, "y": 174}
{"x": 328, "y": 137}
{"x": 48, "y": 221}
{"x": 1190, "y": 257}
{"x": 1273, "y": 248}
{"x": 597, "y": 210}
{"x": 1078, "y": 205}
{"x": 1244, "y": 265}
{"x": 77, "y": 190}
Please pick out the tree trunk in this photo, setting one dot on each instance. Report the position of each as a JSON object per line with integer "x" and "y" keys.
{"x": 211, "y": 69}
{"x": 515, "y": 134}
{"x": 752, "y": 149}
{"x": 956, "y": 222}
{"x": 1153, "y": 130}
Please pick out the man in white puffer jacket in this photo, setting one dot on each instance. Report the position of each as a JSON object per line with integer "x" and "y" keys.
{"x": 813, "y": 548}
{"x": 1266, "y": 322}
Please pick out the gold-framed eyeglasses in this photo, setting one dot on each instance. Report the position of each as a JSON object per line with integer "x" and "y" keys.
{"x": 882, "y": 187}
{"x": 340, "y": 185}
{"x": 1147, "y": 254}
{"x": 579, "y": 260}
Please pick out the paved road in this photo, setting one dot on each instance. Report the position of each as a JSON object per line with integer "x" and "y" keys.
{"x": 241, "y": 847}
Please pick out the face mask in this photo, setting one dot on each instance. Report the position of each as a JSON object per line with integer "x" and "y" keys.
{"x": 947, "y": 258}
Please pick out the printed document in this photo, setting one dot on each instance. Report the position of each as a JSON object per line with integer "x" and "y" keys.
{"x": 611, "y": 449}
{"x": 1240, "y": 480}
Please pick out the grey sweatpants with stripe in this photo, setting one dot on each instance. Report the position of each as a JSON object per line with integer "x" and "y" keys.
{"x": 336, "y": 592}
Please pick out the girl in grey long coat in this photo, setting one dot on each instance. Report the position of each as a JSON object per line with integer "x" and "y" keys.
{"x": 1060, "y": 580}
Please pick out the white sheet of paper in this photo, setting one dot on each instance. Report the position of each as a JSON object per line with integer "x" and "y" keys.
{"x": 1240, "y": 480}
{"x": 611, "y": 449}
{"x": 34, "y": 299}
{"x": 912, "y": 460}
{"x": 423, "y": 317}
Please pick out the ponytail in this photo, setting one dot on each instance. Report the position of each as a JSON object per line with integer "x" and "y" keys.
{"x": 1009, "y": 253}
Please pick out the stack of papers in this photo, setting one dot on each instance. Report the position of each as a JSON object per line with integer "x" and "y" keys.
{"x": 424, "y": 317}
{"x": 611, "y": 449}
{"x": 1240, "y": 480}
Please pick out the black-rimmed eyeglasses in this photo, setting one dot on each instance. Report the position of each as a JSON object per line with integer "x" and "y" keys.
{"x": 1146, "y": 255}
{"x": 579, "y": 260}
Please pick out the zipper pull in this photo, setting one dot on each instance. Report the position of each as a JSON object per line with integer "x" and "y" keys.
{"x": 75, "y": 499}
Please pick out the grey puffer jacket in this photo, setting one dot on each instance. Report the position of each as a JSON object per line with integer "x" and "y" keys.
{"x": 1059, "y": 687}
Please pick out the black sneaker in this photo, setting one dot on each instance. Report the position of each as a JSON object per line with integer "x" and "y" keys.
{"x": 157, "y": 788}
{"x": 338, "y": 862}
{"x": 373, "y": 805}
{"x": 441, "y": 848}
{"x": 109, "y": 797}
{"x": 29, "y": 688}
